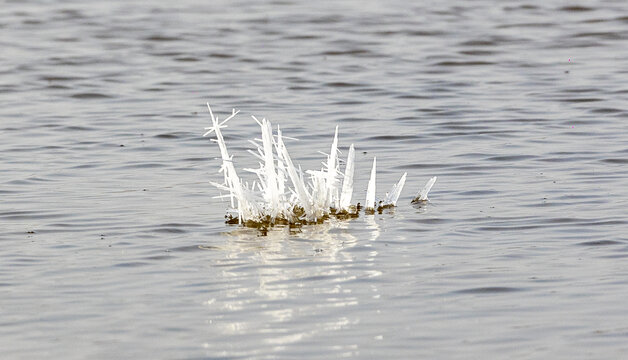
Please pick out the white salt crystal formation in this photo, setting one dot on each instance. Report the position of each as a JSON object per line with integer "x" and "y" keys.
{"x": 281, "y": 194}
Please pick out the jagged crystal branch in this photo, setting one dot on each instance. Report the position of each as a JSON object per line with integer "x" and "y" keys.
{"x": 246, "y": 205}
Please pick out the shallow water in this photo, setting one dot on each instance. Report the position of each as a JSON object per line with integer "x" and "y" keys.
{"x": 112, "y": 245}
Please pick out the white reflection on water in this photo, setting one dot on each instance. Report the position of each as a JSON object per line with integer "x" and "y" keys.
{"x": 284, "y": 288}
{"x": 372, "y": 225}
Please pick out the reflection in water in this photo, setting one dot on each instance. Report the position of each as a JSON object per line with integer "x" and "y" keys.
{"x": 374, "y": 233}
{"x": 278, "y": 285}
{"x": 372, "y": 225}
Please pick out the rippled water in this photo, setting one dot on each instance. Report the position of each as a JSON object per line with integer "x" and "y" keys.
{"x": 112, "y": 245}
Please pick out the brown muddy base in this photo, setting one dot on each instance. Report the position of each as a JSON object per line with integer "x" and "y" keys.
{"x": 298, "y": 220}
{"x": 418, "y": 201}
{"x": 379, "y": 209}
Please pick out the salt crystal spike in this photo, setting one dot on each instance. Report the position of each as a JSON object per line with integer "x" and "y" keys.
{"x": 246, "y": 204}
{"x": 370, "y": 192}
{"x": 422, "y": 195}
{"x": 332, "y": 169}
{"x": 347, "y": 184}
{"x": 272, "y": 192}
{"x": 393, "y": 195}
{"x": 297, "y": 181}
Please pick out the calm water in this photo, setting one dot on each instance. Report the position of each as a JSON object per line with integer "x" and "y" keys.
{"x": 111, "y": 245}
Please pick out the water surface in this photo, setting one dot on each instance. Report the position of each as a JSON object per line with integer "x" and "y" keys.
{"x": 112, "y": 245}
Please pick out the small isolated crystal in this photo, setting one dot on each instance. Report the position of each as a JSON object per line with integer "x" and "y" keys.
{"x": 422, "y": 195}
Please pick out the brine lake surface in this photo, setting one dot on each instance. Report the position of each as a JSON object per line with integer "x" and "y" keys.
{"x": 112, "y": 244}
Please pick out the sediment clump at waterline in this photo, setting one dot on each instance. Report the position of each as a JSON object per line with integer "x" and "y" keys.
{"x": 298, "y": 219}
{"x": 309, "y": 197}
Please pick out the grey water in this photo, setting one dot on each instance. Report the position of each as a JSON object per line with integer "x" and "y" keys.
{"x": 112, "y": 244}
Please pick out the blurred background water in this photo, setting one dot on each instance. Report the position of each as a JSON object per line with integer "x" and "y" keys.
{"x": 111, "y": 245}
